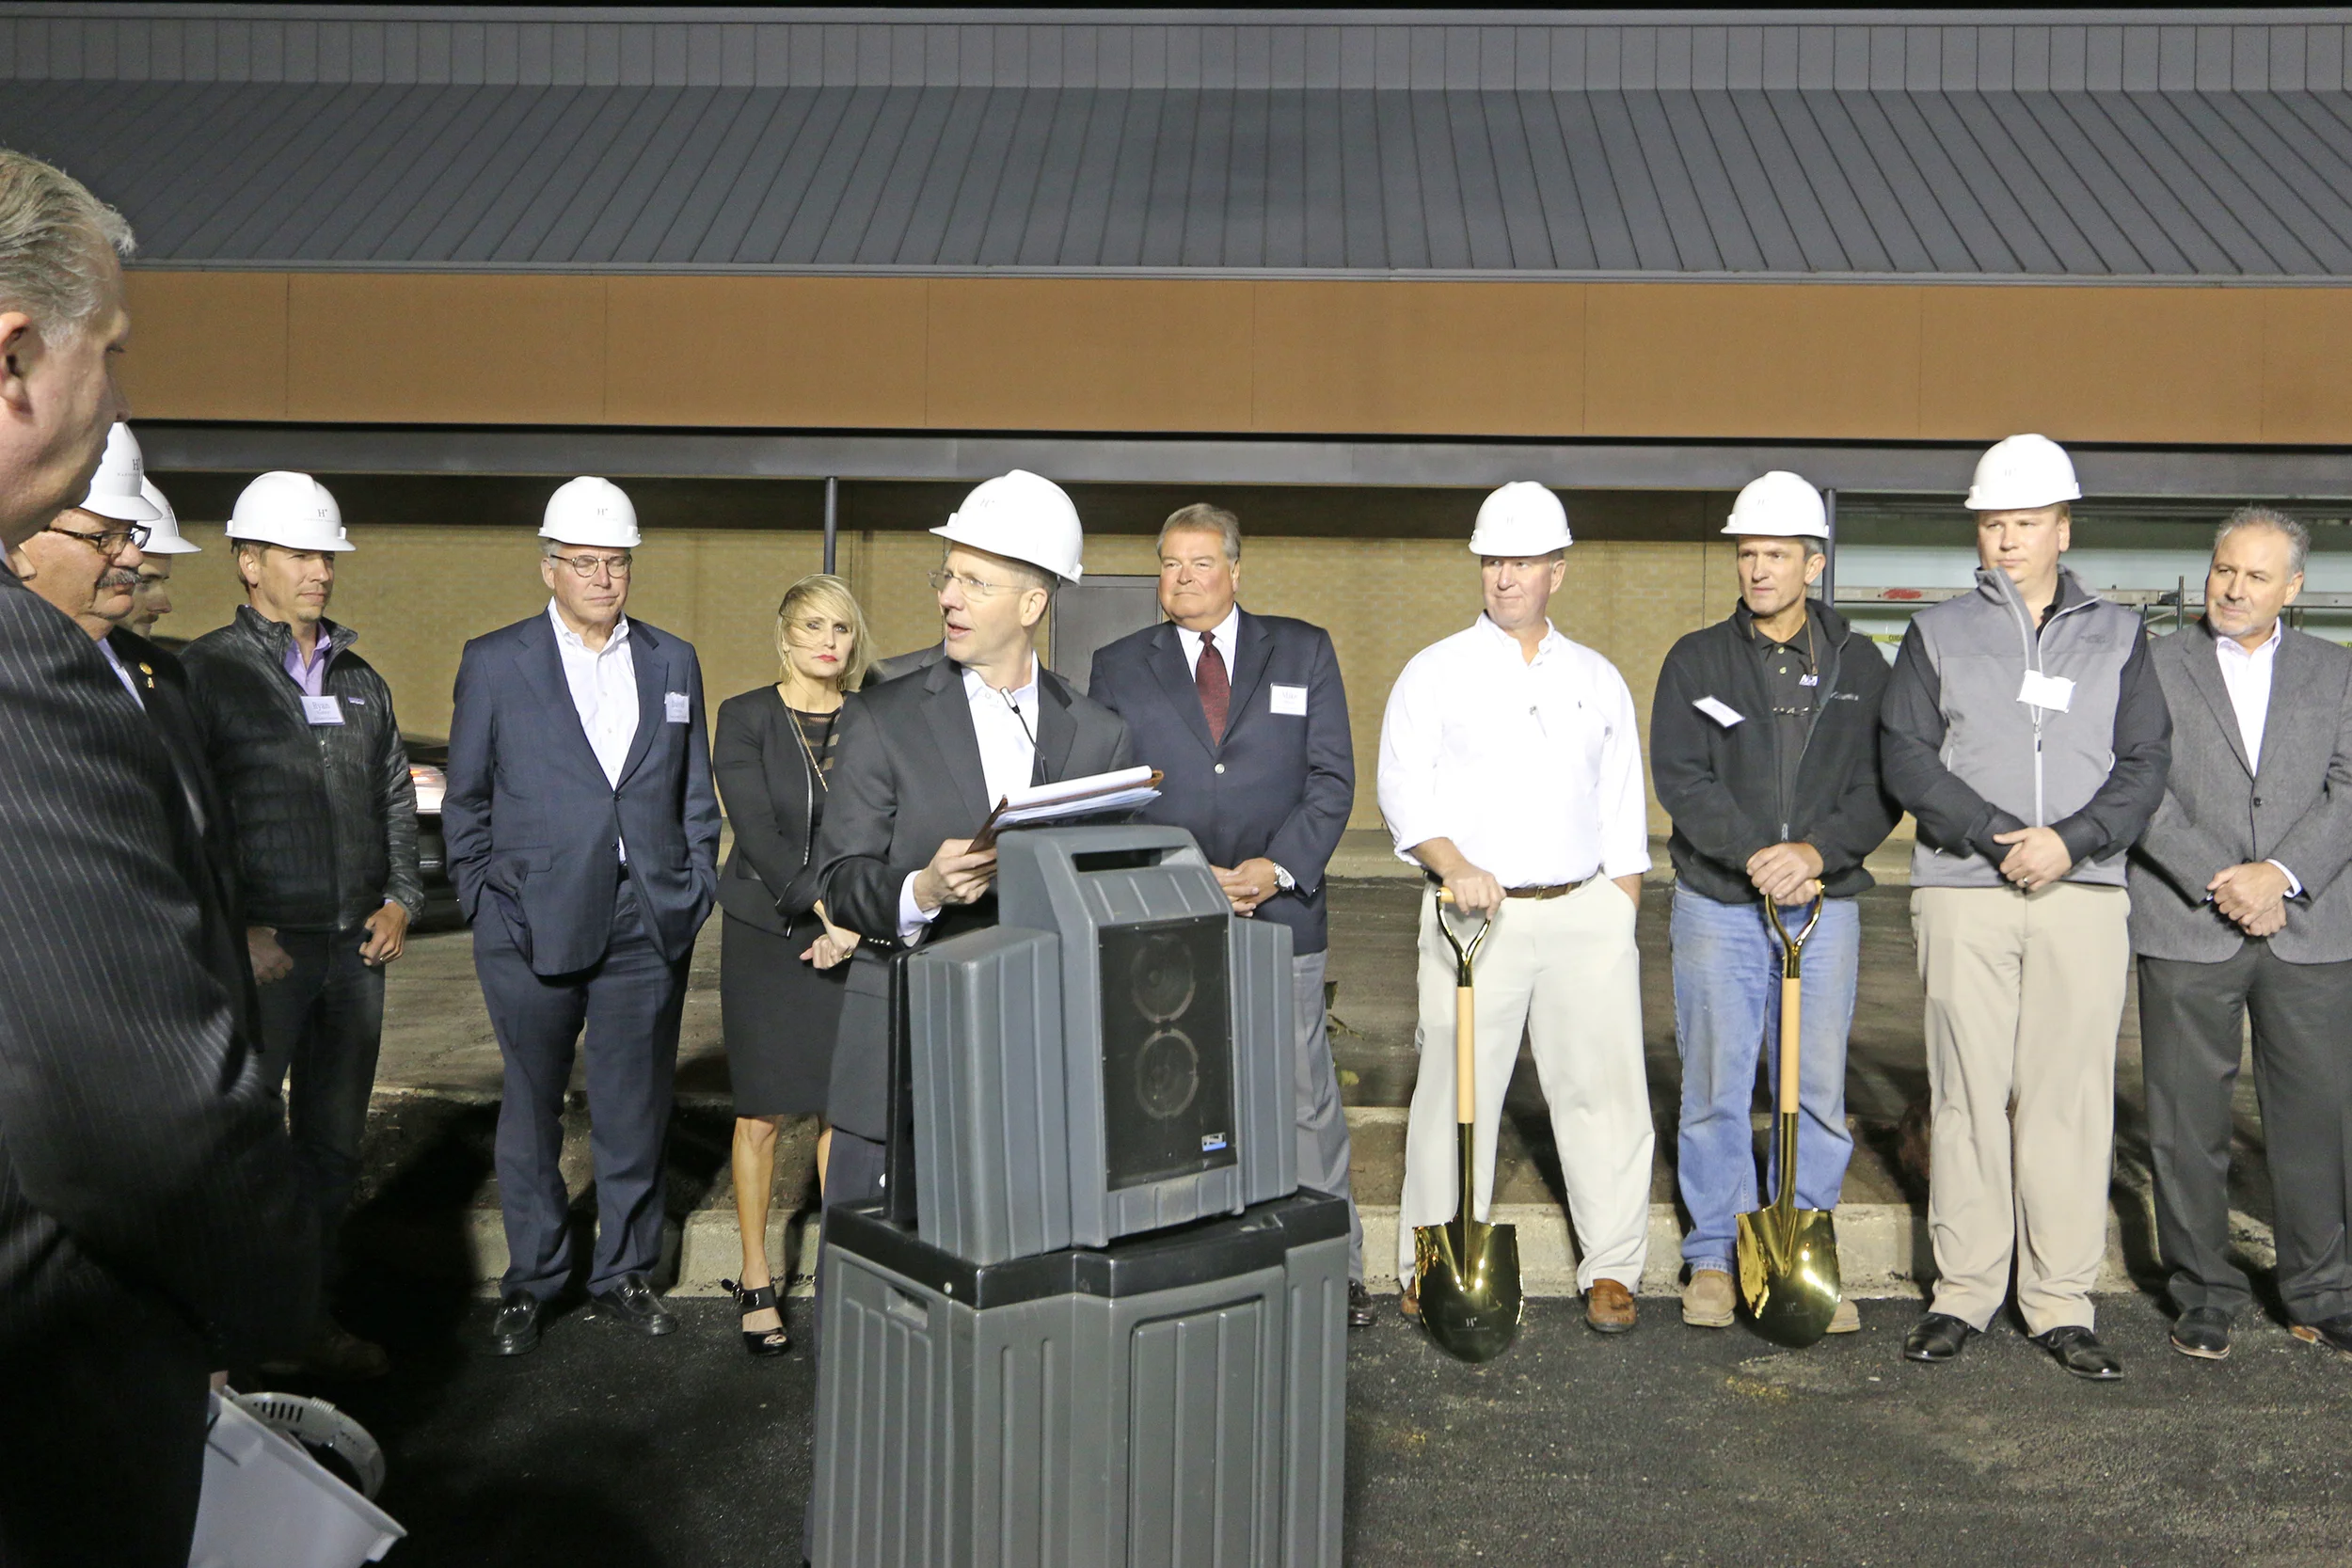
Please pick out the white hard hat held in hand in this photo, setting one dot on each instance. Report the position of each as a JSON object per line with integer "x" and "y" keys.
{"x": 2021, "y": 473}
{"x": 592, "y": 512}
{"x": 1521, "y": 520}
{"x": 163, "y": 534}
{"x": 1779, "y": 505}
{"x": 1022, "y": 516}
{"x": 114, "y": 489}
{"x": 290, "y": 510}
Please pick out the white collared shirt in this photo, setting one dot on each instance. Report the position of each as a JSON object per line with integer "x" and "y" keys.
{"x": 1005, "y": 723}
{"x": 1533, "y": 770}
{"x": 1228, "y": 632}
{"x": 603, "y": 682}
{"x": 114, "y": 661}
{"x": 2246, "y": 675}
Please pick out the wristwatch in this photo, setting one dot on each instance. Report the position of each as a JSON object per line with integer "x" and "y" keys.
{"x": 1282, "y": 878}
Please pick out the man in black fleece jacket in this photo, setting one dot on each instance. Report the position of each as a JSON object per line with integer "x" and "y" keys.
{"x": 1764, "y": 748}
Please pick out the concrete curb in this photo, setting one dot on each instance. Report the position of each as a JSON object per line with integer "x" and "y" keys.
{"x": 1882, "y": 1249}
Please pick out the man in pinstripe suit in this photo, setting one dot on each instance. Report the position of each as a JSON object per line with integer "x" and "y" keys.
{"x": 149, "y": 1230}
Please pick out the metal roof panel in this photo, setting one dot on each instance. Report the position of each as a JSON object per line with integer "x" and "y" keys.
{"x": 1627, "y": 178}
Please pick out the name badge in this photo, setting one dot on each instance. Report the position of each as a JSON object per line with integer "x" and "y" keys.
{"x": 2055, "y": 693}
{"x": 322, "y": 711}
{"x": 1723, "y": 713}
{"x": 1289, "y": 699}
{"x": 673, "y": 706}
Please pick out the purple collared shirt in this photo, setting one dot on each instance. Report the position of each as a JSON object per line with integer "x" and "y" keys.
{"x": 312, "y": 676}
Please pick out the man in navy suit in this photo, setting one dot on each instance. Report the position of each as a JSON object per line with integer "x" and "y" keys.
{"x": 583, "y": 838}
{"x": 1246, "y": 715}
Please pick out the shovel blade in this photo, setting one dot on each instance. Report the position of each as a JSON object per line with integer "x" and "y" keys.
{"x": 1788, "y": 1272}
{"x": 1469, "y": 1282}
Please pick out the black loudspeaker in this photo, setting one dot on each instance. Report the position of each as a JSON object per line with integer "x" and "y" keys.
{"x": 1168, "y": 1042}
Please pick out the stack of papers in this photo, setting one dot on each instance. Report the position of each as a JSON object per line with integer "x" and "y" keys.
{"x": 1092, "y": 796}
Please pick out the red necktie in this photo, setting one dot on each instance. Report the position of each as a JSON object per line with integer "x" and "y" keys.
{"x": 1217, "y": 692}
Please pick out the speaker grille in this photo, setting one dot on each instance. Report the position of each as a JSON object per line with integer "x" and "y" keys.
{"x": 1167, "y": 1090}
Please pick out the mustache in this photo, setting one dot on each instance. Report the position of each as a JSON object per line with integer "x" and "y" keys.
{"x": 118, "y": 577}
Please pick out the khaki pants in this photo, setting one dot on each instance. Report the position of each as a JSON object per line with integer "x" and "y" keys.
{"x": 2025, "y": 992}
{"x": 1564, "y": 974}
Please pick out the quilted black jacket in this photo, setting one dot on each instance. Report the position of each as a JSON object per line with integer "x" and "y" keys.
{"x": 325, "y": 815}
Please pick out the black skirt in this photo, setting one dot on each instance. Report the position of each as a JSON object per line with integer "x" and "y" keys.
{"x": 779, "y": 1015}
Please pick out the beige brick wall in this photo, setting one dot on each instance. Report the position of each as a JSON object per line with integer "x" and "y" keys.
{"x": 416, "y": 594}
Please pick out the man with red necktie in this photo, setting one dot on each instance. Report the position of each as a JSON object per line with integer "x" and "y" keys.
{"x": 1246, "y": 717}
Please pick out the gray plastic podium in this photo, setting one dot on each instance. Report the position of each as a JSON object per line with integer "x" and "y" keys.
{"x": 1173, "y": 1399}
{"x": 1114, "y": 1056}
{"x": 1094, "y": 1320}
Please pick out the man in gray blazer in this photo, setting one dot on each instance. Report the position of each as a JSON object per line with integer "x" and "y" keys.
{"x": 2239, "y": 904}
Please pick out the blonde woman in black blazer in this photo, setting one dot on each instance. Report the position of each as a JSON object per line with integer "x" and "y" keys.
{"x": 781, "y": 961}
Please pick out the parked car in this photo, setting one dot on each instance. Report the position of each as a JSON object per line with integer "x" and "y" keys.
{"x": 428, "y": 758}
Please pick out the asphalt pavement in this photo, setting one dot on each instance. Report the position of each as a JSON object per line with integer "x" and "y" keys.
{"x": 1669, "y": 1444}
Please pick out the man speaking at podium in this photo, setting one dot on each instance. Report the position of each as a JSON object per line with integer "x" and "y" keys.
{"x": 924, "y": 759}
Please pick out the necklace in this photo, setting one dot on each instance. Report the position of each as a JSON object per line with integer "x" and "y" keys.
{"x": 816, "y": 768}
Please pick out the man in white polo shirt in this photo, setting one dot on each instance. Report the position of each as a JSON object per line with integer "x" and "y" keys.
{"x": 1511, "y": 770}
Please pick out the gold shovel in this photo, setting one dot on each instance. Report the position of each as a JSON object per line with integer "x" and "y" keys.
{"x": 1466, "y": 1274}
{"x": 1788, "y": 1255}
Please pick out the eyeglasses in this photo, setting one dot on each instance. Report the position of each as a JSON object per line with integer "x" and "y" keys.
{"x": 940, "y": 578}
{"x": 585, "y": 565}
{"x": 112, "y": 542}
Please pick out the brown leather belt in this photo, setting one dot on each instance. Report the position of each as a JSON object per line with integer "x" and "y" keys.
{"x": 1557, "y": 890}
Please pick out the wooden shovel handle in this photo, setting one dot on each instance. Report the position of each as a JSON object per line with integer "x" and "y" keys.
{"x": 1465, "y": 1056}
{"x": 1790, "y": 1028}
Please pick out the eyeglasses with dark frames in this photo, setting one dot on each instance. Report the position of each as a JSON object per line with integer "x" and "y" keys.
{"x": 111, "y": 542}
{"x": 585, "y": 565}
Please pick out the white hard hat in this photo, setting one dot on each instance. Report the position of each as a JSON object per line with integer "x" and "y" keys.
{"x": 114, "y": 489}
{"x": 591, "y": 511}
{"x": 1780, "y": 505}
{"x": 1022, "y": 516}
{"x": 291, "y": 511}
{"x": 1522, "y": 519}
{"x": 2021, "y": 473}
{"x": 163, "y": 534}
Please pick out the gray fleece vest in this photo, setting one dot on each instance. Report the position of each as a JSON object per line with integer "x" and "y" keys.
{"x": 2039, "y": 765}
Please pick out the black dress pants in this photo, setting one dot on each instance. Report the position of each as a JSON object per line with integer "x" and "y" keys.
{"x": 2192, "y": 1020}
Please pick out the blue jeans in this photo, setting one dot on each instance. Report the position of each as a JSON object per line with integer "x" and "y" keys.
{"x": 1727, "y": 966}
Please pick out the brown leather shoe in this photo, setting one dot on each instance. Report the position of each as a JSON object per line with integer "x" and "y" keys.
{"x": 1408, "y": 1300}
{"x": 1608, "y": 1308}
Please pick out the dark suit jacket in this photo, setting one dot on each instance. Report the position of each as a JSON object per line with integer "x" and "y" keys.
{"x": 146, "y": 1179}
{"x": 2296, "y": 809}
{"x": 898, "y": 665}
{"x": 532, "y": 827}
{"x": 770, "y": 878}
{"x": 1279, "y": 784}
{"x": 907, "y": 780}
{"x": 171, "y": 708}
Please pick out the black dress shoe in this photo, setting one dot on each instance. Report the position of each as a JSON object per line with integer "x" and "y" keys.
{"x": 2333, "y": 1334}
{"x": 633, "y": 1304}
{"x": 1937, "y": 1337}
{"x": 1359, "y": 1313}
{"x": 2078, "y": 1350}
{"x": 2202, "y": 1332}
{"x": 516, "y": 1330}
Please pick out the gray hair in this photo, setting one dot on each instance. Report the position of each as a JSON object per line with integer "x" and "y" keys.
{"x": 2298, "y": 538}
{"x": 58, "y": 244}
{"x": 1203, "y": 518}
